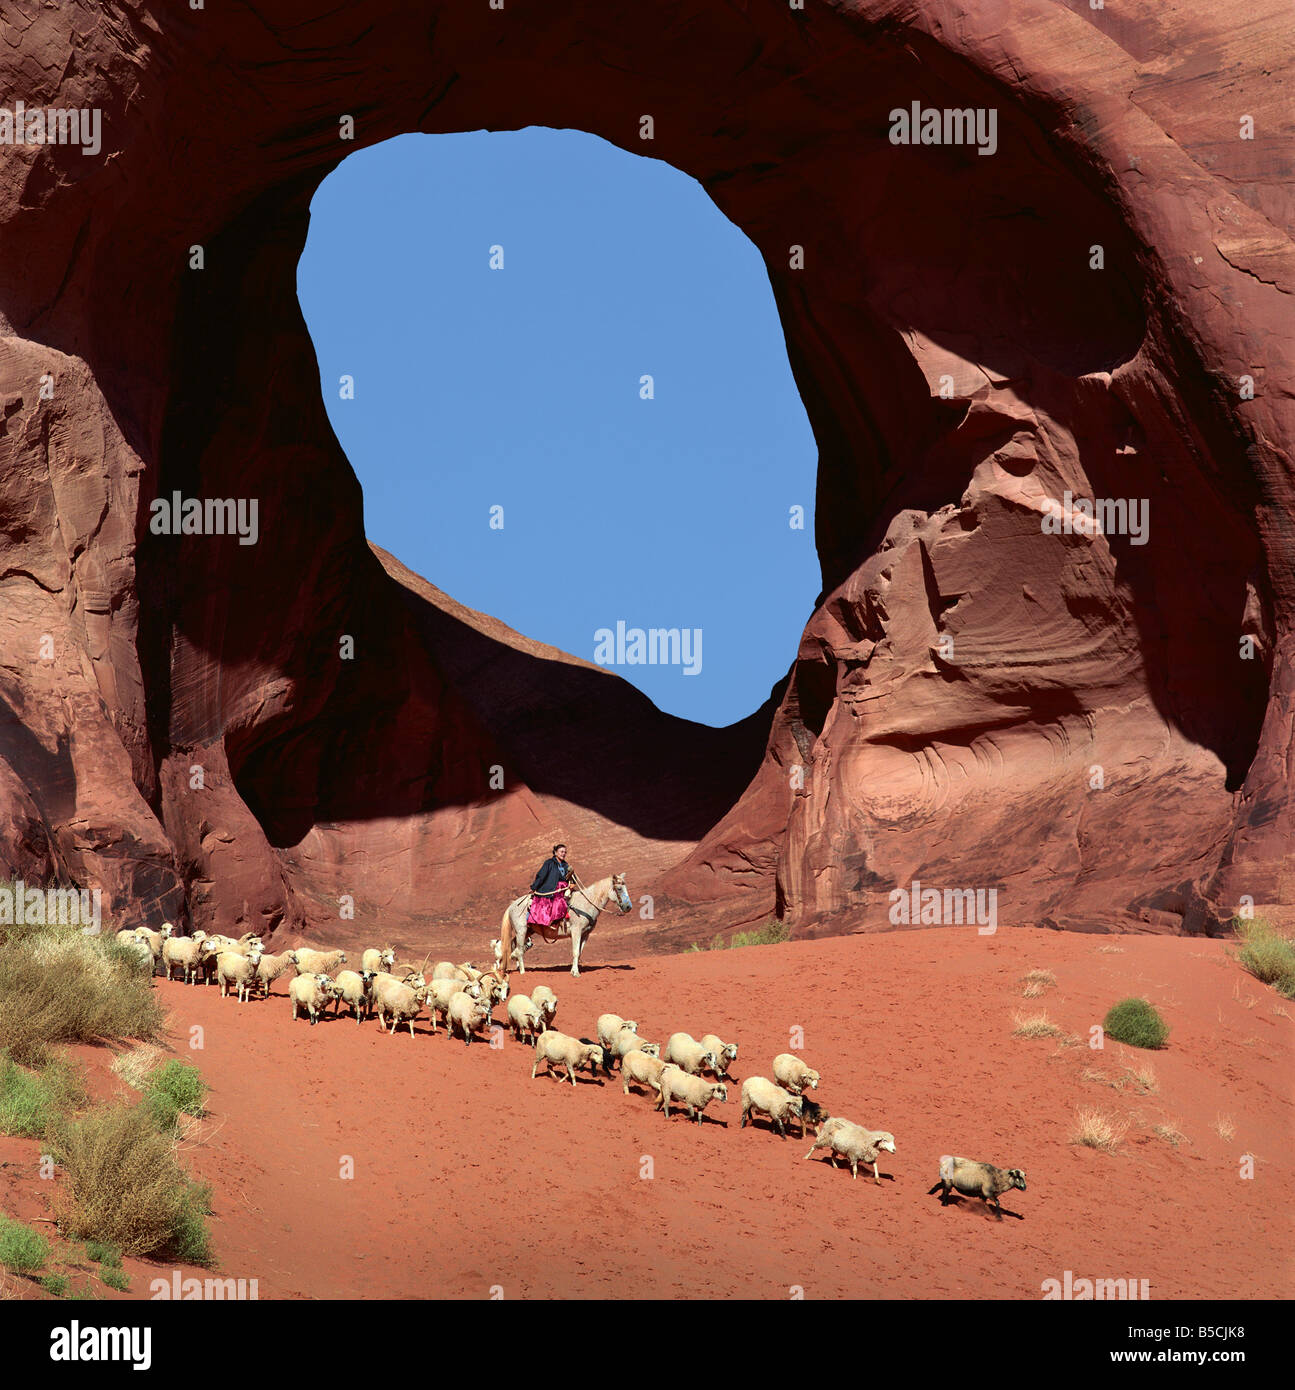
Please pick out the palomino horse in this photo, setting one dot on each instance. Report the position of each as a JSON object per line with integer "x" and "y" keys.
{"x": 582, "y": 916}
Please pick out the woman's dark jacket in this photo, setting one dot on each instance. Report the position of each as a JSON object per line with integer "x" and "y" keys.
{"x": 552, "y": 873}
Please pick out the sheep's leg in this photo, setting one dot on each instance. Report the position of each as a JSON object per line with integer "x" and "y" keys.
{"x": 876, "y": 1177}
{"x": 854, "y": 1168}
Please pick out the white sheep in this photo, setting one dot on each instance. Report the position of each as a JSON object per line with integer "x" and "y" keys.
{"x": 312, "y": 962}
{"x": 400, "y": 1002}
{"x": 547, "y": 1003}
{"x": 556, "y": 1049}
{"x": 465, "y": 1015}
{"x": 760, "y": 1094}
{"x": 154, "y": 940}
{"x": 235, "y": 968}
{"x": 627, "y": 1041}
{"x": 374, "y": 960}
{"x": 686, "y": 1053}
{"x": 641, "y": 1068}
{"x": 187, "y": 952}
{"x": 724, "y": 1052}
{"x": 688, "y": 1090}
{"x": 447, "y": 970}
{"x": 611, "y": 1024}
{"x": 524, "y": 1017}
{"x": 269, "y": 970}
{"x": 976, "y": 1179}
{"x": 134, "y": 942}
{"x": 854, "y": 1143}
{"x": 310, "y": 992}
{"x": 354, "y": 988}
{"x": 793, "y": 1075}
{"x": 440, "y": 992}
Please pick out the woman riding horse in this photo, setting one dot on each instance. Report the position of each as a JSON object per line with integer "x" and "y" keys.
{"x": 550, "y": 887}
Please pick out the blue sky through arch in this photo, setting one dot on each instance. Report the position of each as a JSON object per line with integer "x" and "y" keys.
{"x": 520, "y": 388}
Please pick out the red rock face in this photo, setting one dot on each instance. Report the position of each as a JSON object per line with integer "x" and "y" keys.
{"x": 1098, "y": 729}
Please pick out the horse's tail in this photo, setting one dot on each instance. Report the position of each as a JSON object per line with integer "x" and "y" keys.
{"x": 506, "y": 941}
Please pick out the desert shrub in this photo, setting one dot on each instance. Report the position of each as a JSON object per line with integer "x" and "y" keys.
{"x": 1269, "y": 955}
{"x": 116, "y": 1279}
{"x": 1135, "y": 1022}
{"x": 124, "y": 1184}
{"x": 769, "y": 935}
{"x": 172, "y": 1089}
{"x": 21, "y": 1249}
{"x": 1034, "y": 1026}
{"x": 29, "y": 1100}
{"x": 56, "y": 1284}
{"x": 58, "y": 985}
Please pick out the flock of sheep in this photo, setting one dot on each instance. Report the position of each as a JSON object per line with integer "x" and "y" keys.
{"x": 465, "y": 998}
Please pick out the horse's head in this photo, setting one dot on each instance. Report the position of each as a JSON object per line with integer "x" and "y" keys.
{"x": 621, "y": 893}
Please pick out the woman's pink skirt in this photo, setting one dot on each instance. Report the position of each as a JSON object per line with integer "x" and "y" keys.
{"x": 545, "y": 911}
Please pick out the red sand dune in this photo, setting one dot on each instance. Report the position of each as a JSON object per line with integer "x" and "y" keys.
{"x": 468, "y": 1174}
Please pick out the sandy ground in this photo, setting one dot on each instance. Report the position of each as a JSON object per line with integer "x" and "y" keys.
{"x": 348, "y": 1163}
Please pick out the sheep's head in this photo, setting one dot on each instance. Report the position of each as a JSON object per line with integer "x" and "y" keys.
{"x": 709, "y": 1062}
{"x": 796, "y": 1105}
{"x": 886, "y": 1141}
{"x": 719, "y": 1091}
{"x": 291, "y": 957}
{"x": 367, "y": 977}
{"x": 649, "y": 1049}
{"x": 730, "y": 1052}
{"x": 386, "y": 958}
{"x": 812, "y": 1079}
{"x": 631, "y": 1024}
{"x": 167, "y": 929}
{"x": 1016, "y": 1176}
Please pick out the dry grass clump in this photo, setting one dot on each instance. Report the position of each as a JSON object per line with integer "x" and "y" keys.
{"x": 1036, "y": 982}
{"x": 58, "y": 985}
{"x": 1110, "y": 950}
{"x": 137, "y": 1064}
{"x": 1224, "y": 1128}
{"x": 1035, "y": 1026}
{"x": 1170, "y": 1133}
{"x": 1142, "y": 1076}
{"x": 124, "y": 1185}
{"x": 1096, "y": 1130}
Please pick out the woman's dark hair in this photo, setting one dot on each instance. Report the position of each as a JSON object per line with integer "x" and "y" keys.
{"x": 558, "y": 847}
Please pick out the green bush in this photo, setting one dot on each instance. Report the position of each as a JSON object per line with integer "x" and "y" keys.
{"x": 29, "y": 1100}
{"x": 1269, "y": 955}
{"x": 57, "y": 1284}
{"x": 58, "y": 985}
{"x": 125, "y": 1186}
{"x": 175, "y": 1088}
{"x": 116, "y": 1279}
{"x": 769, "y": 935}
{"x": 21, "y": 1249}
{"x": 1135, "y": 1022}
{"x": 103, "y": 1254}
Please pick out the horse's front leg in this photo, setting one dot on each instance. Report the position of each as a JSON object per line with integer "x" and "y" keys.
{"x": 577, "y": 941}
